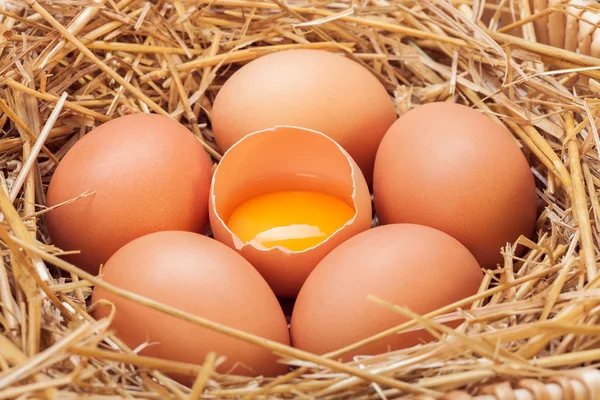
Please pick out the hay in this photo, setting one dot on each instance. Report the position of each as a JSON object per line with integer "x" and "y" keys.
{"x": 529, "y": 330}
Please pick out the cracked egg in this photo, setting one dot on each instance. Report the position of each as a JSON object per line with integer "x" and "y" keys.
{"x": 284, "y": 198}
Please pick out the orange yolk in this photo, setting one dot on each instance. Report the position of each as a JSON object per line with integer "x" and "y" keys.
{"x": 295, "y": 220}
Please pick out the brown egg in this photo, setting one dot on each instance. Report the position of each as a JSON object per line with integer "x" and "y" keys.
{"x": 450, "y": 167}
{"x": 407, "y": 265}
{"x": 311, "y": 89}
{"x": 284, "y": 161}
{"x": 144, "y": 172}
{"x": 201, "y": 276}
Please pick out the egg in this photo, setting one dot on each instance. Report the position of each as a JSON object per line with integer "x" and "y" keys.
{"x": 407, "y": 265}
{"x": 312, "y": 89}
{"x": 203, "y": 277}
{"x": 141, "y": 173}
{"x": 284, "y": 198}
{"x": 452, "y": 168}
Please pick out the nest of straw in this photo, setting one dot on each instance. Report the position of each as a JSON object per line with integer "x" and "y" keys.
{"x": 67, "y": 66}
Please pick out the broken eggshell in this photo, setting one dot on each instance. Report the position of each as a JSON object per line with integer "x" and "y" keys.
{"x": 279, "y": 159}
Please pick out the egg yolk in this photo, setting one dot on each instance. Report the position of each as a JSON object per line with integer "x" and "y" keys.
{"x": 296, "y": 220}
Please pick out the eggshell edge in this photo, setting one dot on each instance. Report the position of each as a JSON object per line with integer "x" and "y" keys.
{"x": 239, "y": 244}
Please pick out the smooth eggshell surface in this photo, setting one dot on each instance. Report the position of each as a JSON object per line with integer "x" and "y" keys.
{"x": 450, "y": 167}
{"x": 312, "y": 89}
{"x": 203, "y": 277}
{"x": 145, "y": 173}
{"x": 278, "y": 159}
{"x": 407, "y": 265}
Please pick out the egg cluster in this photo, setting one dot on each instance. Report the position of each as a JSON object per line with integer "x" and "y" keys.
{"x": 307, "y": 137}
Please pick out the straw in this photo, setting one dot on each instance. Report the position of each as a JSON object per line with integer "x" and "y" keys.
{"x": 531, "y": 330}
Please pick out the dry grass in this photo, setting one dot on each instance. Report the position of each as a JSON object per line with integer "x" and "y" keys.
{"x": 67, "y": 66}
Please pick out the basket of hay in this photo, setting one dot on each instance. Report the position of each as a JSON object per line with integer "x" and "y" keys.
{"x": 530, "y": 332}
